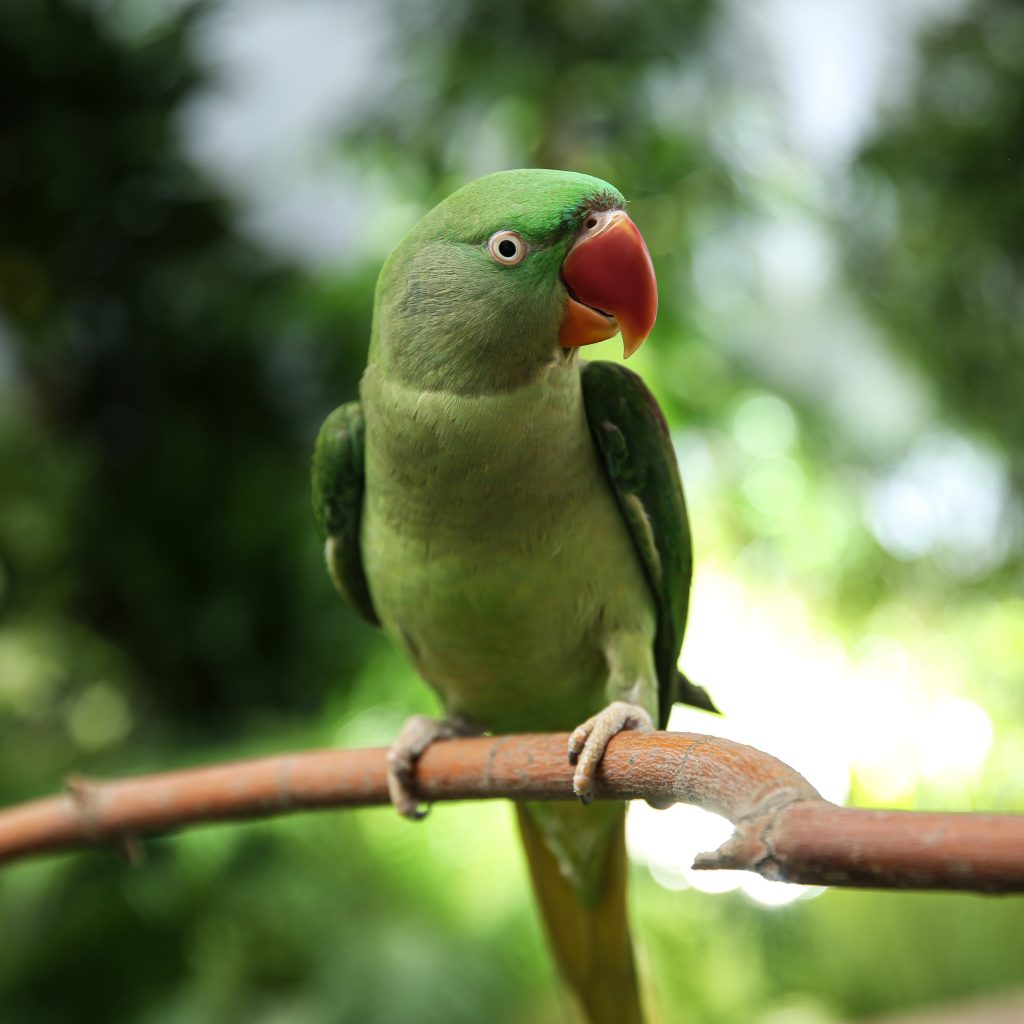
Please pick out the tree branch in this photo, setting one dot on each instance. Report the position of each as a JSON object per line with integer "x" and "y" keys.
{"x": 784, "y": 829}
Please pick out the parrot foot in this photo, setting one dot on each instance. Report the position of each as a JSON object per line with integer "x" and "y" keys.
{"x": 588, "y": 741}
{"x": 415, "y": 736}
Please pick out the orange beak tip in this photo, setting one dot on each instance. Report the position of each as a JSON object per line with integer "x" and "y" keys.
{"x": 630, "y": 345}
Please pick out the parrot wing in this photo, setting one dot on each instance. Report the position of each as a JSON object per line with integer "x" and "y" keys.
{"x": 338, "y": 481}
{"x": 633, "y": 442}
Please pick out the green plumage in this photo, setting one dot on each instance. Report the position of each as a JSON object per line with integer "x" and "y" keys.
{"x": 632, "y": 437}
{"x": 514, "y": 520}
{"x": 338, "y": 481}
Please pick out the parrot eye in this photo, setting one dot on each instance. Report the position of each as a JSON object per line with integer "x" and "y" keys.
{"x": 506, "y": 247}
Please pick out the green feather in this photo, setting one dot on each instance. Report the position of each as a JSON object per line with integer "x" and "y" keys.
{"x": 338, "y": 484}
{"x": 636, "y": 451}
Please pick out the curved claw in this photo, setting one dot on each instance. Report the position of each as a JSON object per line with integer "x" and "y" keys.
{"x": 401, "y": 766}
{"x": 415, "y": 736}
{"x": 588, "y": 741}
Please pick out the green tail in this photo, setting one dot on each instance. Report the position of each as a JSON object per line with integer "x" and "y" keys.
{"x": 589, "y": 937}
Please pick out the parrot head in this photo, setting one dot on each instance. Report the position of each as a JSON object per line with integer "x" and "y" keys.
{"x": 510, "y": 273}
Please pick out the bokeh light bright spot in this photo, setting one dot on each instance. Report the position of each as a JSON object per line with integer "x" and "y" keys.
{"x": 888, "y": 777}
{"x": 956, "y": 739}
{"x": 774, "y": 488}
{"x": 949, "y": 497}
{"x": 98, "y": 717}
{"x": 764, "y": 426}
{"x": 668, "y": 841}
{"x": 777, "y": 894}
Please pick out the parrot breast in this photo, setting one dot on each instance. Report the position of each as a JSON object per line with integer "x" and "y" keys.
{"x": 495, "y": 553}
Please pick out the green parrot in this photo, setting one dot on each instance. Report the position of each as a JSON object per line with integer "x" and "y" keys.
{"x": 513, "y": 518}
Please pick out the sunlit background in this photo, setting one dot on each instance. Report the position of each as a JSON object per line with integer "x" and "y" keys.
{"x": 194, "y": 201}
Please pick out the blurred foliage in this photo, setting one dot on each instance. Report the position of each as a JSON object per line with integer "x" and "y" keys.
{"x": 936, "y": 244}
{"x": 162, "y": 600}
{"x": 170, "y": 388}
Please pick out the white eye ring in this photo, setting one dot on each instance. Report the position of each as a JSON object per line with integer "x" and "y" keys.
{"x": 506, "y": 248}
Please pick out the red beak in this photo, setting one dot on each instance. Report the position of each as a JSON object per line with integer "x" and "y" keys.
{"x": 610, "y": 280}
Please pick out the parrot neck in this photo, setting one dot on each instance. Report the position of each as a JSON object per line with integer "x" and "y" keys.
{"x": 445, "y": 462}
{"x": 461, "y": 340}
{"x": 411, "y": 359}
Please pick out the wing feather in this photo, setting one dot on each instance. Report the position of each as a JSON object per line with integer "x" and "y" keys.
{"x": 338, "y": 482}
{"x": 636, "y": 451}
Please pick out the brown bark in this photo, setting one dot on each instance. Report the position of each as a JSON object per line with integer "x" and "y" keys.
{"x": 784, "y": 829}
